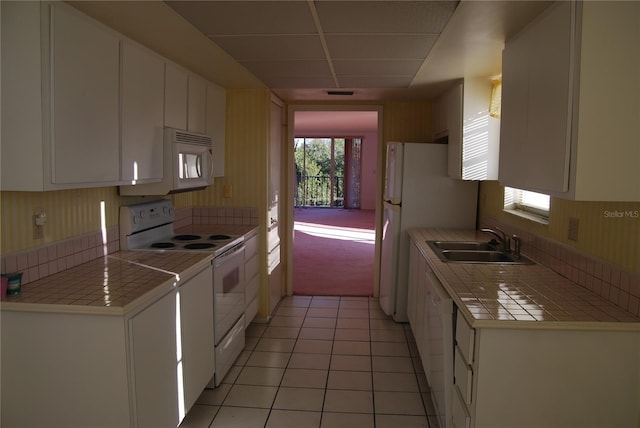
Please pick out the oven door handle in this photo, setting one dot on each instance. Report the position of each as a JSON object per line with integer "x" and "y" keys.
{"x": 229, "y": 253}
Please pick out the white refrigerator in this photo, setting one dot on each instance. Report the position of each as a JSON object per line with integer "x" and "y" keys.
{"x": 417, "y": 193}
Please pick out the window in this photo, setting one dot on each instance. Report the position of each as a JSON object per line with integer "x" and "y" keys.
{"x": 527, "y": 204}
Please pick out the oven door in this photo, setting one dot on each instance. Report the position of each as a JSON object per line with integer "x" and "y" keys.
{"x": 193, "y": 165}
{"x": 228, "y": 290}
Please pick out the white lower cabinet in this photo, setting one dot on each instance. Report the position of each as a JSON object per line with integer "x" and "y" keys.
{"x": 196, "y": 327}
{"x": 510, "y": 374}
{"x": 525, "y": 377}
{"x": 173, "y": 352}
{"x": 416, "y": 302}
{"x": 461, "y": 418}
{"x": 152, "y": 334}
{"x": 430, "y": 317}
{"x": 142, "y": 369}
{"x": 252, "y": 279}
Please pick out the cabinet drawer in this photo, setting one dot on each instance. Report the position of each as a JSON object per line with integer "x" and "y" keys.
{"x": 463, "y": 376}
{"x": 251, "y": 289}
{"x": 251, "y": 312}
{"x": 251, "y": 268}
{"x": 465, "y": 337}
{"x": 251, "y": 247}
{"x": 461, "y": 418}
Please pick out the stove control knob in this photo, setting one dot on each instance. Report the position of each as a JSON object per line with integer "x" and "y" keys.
{"x": 141, "y": 214}
{"x": 135, "y": 219}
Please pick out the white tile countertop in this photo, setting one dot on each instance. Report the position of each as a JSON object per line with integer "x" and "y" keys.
{"x": 118, "y": 283}
{"x": 110, "y": 285}
{"x": 518, "y": 296}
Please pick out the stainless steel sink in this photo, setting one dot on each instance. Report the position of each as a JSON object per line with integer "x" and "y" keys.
{"x": 463, "y": 245}
{"x": 477, "y": 256}
{"x": 474, "y": 252}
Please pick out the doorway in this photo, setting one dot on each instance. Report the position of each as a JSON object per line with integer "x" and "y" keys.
{"x": 335, "y": 186}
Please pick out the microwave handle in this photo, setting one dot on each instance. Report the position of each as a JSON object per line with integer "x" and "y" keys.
{"x": 210, "y": 161}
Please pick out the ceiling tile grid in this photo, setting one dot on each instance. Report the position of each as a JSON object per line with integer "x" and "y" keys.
{"x": 323, "y": 43}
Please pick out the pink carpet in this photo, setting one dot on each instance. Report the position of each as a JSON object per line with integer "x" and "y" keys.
{"x": 333, "y": 252}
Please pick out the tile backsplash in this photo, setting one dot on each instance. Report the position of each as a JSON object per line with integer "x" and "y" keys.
{"x": 619, "y": 286}
{"x": 40, "y": 262}
{"x": 37, "y": 263}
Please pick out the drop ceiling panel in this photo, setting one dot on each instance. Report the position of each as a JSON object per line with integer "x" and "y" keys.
{"x": 290, "y": 68}
{"x": 247, "y": 17}
{"x": 375, "y": 82}
{"x": 289, "y": 82}
{"x": 384, "y": 16}
{"x": 377, "y": 68}
{"x": 380, "y": 46}
{"x": 271, "y": 48}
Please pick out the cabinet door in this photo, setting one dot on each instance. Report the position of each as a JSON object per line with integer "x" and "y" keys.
{"x": 536, "y": 104}
{"x": 216, "y": 116}
{"x": 175, "y": 97}
{"x": 142, "y": 85}
{"x": 440, "y": 117}
{"x": 153, "y": 345}
{"x": 85, "y": 100}
{"x": 198, "y": 353}
{"x": 454, "y": 121}
{"x": 412, "y": 286}
{"x": 197, "y": 105}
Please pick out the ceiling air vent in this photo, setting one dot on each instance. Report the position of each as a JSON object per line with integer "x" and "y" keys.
{"x": 339, "y": 92}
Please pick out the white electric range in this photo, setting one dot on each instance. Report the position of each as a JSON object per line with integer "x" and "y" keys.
{"x": 149, "y": 226}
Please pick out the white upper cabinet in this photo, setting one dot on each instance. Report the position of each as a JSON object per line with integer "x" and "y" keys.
{"x": 535, "y": 105}
{"x": 462, "y": 113}
{"x": 84, "y": 93}
{"x": 197, "y": 105}
{"x": 142, "y": 83}
{"x": 570, "y": 103}
{"x": 215, "y": 125}
{"x": 175, "y": 97}
{"x": 68, "y": 132}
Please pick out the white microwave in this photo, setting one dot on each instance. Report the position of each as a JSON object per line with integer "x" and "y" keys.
{"x": 188, "y": 165}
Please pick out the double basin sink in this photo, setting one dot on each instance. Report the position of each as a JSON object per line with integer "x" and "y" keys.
{"x": 474, "y": 252}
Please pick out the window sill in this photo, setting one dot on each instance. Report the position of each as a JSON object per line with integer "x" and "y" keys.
{"x": 527, "y": 215}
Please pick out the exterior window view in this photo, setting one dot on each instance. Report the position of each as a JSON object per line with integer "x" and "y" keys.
{"x": 327, "y": 171}
{"x": 319, "y": 214}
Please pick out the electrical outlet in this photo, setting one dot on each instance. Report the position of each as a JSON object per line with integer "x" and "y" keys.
{"x": 39, "y": 220}
{"x": 38, "y": 232}
{"x": 573, "y": 229}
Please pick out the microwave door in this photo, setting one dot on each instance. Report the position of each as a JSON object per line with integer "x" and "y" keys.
{"x": 191, "y": 167}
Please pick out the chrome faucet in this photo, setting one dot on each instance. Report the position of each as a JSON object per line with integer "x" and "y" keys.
{"x": 503, "y": 239}
{"x": 517, "y": 243}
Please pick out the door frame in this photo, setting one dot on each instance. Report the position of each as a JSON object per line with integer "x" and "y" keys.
{"x": 289, "y": 161}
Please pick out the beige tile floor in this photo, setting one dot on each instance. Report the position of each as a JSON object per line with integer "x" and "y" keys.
{"x": 322, "y": 362}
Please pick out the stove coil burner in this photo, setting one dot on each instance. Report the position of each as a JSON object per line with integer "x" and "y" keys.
{"x": 163, "y": 245}
{"x": 199, "y": 246}
{"x": 219, "y": 237}
{"x": 186, "y": 237}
